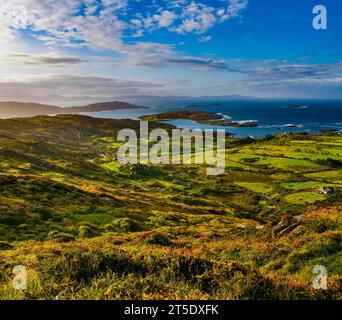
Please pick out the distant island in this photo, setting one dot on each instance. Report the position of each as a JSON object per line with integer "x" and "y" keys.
{"x": 202, "y": 117}
{"x": 14, "y": 109}
{"x": 202, "y": 105}
{"x": 290, "y": 125}
{"x": 297, "y": 107}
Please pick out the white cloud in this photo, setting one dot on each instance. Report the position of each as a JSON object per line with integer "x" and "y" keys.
{"x": 165, "y": 19}
{"x": 51, "y": 59}
{"x": 235, "y": 6}
{"x": 196, "y": 18}
{"x": 205, "y": 39}
{"x": 186, "y": 17}
{"x": 106, "y": 25}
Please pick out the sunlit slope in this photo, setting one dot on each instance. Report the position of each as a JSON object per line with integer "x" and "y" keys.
{"x": 73, "y": 215}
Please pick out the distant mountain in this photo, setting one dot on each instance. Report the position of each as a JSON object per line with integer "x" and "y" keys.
{"x": 102, "y": 106}
{"x": 14, "y": 109}
{"x": 179, "y": 100}
{"x": 233, "y": 96}
{"x": 144, "y": 100}
{"x": 149, "y": 97}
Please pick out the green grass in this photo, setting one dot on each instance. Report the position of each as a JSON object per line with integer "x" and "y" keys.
{"x": 307, "y": 185}
{"x": 304, "y": 198}
{"x": 256, "y": 187}
{"x": 112, "y": 166}
{"x": 334, "y": 176}
{"x": 87, "y": 227}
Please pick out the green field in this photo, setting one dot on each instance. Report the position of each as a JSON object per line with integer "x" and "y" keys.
{"x": 86, "y": 227}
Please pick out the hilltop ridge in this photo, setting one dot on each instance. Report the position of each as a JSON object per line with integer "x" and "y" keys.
{"x": 13, "y": 109}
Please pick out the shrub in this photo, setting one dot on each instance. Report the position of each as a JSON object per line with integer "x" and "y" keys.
{"x": 5, "y": 245}
{"x": 60, "y": 237}
{"x": 156, "y": 238}
{"x": 86, "y": 232}
{"x": 127, "y": 224}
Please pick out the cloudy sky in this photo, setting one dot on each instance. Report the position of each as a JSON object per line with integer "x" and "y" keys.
{"x": 75, "y": 50}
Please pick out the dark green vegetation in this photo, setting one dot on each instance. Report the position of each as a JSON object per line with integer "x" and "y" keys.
{"x": 203, "y": 117}
{"x": 13, "y": 109}
{"x": 86, "y": 227}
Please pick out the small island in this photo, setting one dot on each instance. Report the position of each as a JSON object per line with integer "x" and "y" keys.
{"x": 202, "y": 105}
{"x": 296, "y": 107}
{"x": 201, "y": 117}
{"x": 290, "y": 125}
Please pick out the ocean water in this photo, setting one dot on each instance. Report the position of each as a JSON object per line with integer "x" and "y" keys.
{"x": 272, "y": 116}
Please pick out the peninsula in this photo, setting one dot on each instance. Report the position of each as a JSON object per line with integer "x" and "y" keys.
{"x": 201, "y": 117}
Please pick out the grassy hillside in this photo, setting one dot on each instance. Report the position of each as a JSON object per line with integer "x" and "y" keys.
{"x": 87, "y": 227}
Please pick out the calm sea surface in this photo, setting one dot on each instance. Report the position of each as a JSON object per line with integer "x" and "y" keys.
{"x": 272, "y": 116}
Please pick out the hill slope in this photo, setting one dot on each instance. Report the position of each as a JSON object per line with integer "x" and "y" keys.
{"x": 102, "y": 106}
{"x": 14, "y": 109}
{"x": 87, "y": 227}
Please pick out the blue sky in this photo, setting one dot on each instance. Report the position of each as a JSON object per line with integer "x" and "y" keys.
{"x": 72, "y": 51}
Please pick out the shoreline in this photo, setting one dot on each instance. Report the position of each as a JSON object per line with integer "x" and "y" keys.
{"x": 201, "y": 117}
